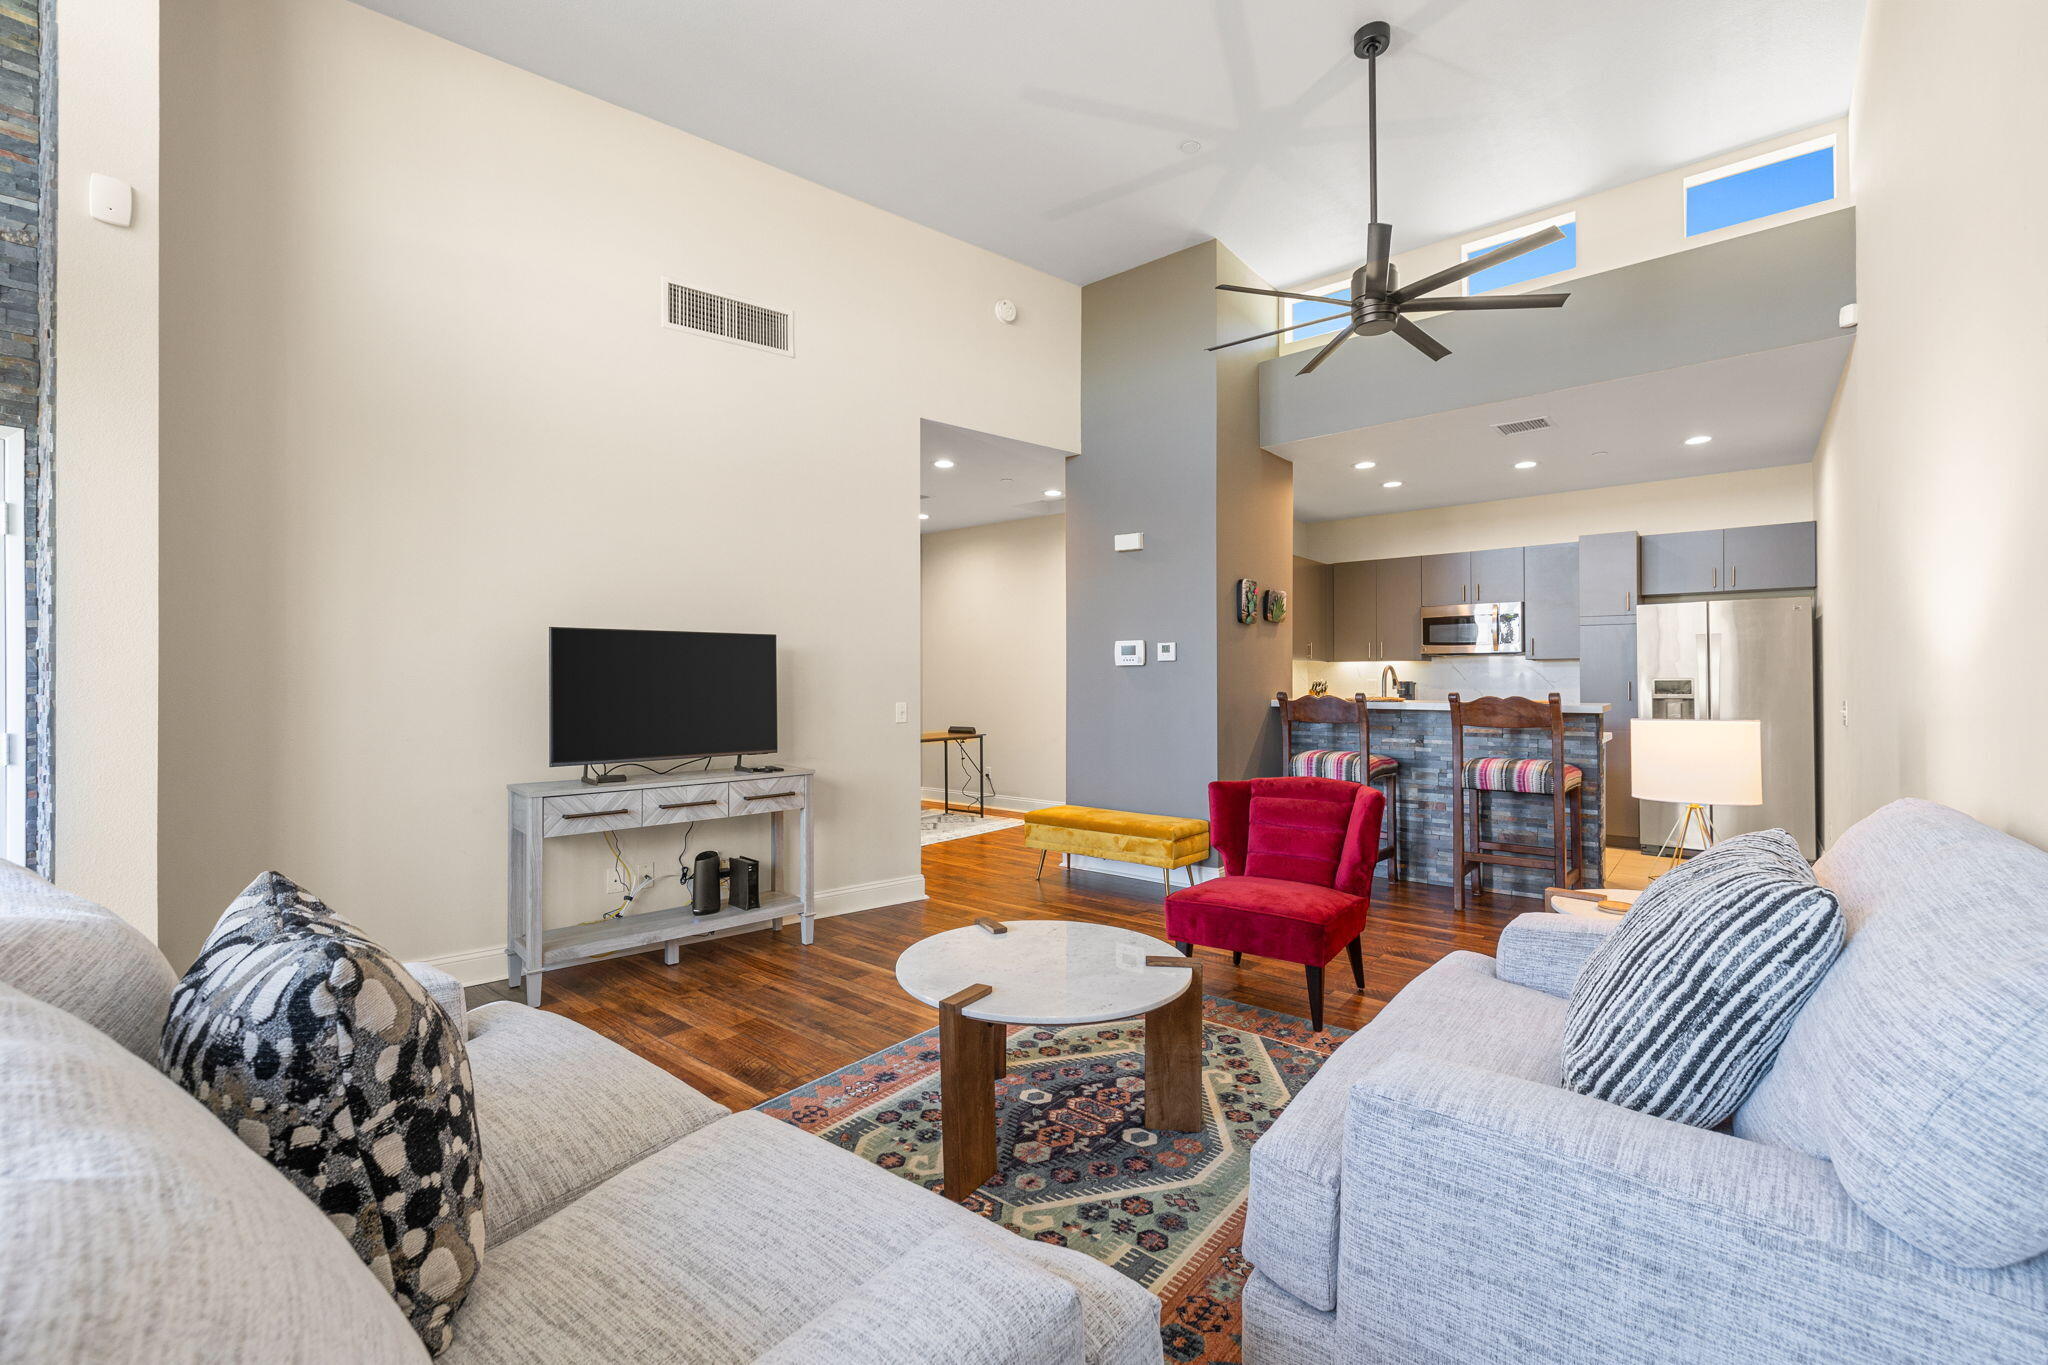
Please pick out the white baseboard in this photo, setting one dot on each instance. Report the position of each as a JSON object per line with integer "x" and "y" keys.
{"x": 996, "y": 800}
{"x": 478, "y": 965}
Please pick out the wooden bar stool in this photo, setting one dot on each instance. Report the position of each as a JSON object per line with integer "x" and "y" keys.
{"x": 1479, "y": 780}
{"x": 1356, "y": 764}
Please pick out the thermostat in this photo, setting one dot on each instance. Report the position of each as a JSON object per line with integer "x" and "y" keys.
{"x": 1130, "y": 653}
{"x": 1130, "y": 540}
{"x": 1163, "y": 651}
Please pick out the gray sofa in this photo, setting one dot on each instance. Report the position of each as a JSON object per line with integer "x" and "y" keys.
{"x": 629, "y": 1217}
{"x": 1434, "y": 1195}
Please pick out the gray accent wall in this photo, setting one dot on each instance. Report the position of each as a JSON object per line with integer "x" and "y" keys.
{"x": 1169, "y": 447}
{"x": 1751, "y": 293}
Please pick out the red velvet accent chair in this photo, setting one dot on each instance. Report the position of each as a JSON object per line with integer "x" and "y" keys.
{"x": 1298, "y": 854}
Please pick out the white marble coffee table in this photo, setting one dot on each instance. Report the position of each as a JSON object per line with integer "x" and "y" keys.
{"x": 1055, "y": 973}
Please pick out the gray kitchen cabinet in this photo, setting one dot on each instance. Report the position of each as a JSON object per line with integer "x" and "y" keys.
{"x": 1446, "y": 579}
{"x": 1399, "y": 590}
{"x": 1607, "y": 672}
{"x": 1550, "y": 600}
{"x": 1308, "y": 609}
{"x": 1759, "y": 557}
{"x": 1497, "y": 575}
{"x": 1608, "y": 587}
{"x": 1354, "y": 611}
{"x": 1682, "y": 562}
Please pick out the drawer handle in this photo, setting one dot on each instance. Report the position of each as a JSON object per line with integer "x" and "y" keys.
{"x": 686, "y": 805}
{"x": 596, "y": 814}
{"x": 766, "y": 796}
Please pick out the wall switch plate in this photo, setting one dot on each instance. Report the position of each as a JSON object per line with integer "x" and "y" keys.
{"x": 903, "y": 713}
{"x": 1130, "y": 653}
{"x": 1130, "y": 540}
{"x": 1164, "y": 651}
{"x": 110, "y": 201}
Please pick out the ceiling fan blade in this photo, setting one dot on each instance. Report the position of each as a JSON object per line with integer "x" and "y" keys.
{"x": 1283, "y": 294}
{"x": 1460, "y": 303}
{"x": 1324, "y": 354}
{"x": 1292, "y": 326}
{"x": 1484, "y": 261}
{"x": 1420, "y": 340}
{"x": 1374, "y": 277}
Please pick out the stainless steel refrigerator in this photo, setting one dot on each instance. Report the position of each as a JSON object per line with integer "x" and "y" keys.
{"x": 1747, "y": 658}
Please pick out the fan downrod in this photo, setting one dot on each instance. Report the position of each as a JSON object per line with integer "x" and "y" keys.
{"x": 1372, "y": 40}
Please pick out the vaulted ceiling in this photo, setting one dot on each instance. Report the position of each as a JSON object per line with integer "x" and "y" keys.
{"x": 1084, "y": 137}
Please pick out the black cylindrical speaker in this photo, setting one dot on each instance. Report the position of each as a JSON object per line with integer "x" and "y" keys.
{"x": 704, "y": 884}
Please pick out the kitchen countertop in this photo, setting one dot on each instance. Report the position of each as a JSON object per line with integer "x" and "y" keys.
{"x": 1571, "y": 708}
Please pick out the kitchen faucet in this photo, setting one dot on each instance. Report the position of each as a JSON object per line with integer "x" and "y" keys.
{"x": 1390, "y": 681}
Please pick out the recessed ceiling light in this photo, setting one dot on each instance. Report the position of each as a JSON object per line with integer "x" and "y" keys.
{"x": 1366, "y": 464}
{"x": 1391, "y": 483}
{"x": 1697, "y": 440}
{"x": 1054, "y": 493}
{"x": 942, "y": 464}
{"x": 1190, "y": 146}
{"x": 924, "y": 516}
{"x": 1525, "y": 464}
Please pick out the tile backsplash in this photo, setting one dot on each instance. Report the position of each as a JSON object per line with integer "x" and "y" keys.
{"x": 1474, "y": 675}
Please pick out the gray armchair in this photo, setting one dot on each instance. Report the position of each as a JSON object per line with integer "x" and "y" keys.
{"x": 1480, "y": 1212}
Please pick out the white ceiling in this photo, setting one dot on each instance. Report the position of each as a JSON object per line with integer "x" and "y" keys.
{"x": 1762, "y": 409}
{"x": 1051, "y": 132}
{"x": 993, "y": 478}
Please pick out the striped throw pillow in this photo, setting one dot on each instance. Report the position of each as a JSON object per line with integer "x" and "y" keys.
{"x": 1680, "y": 1012}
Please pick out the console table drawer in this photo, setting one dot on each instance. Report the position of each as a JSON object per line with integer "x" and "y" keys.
{"x": 581, "y": 814}
{"x": 765, "y": 793}
{"x": 680, "y": 805}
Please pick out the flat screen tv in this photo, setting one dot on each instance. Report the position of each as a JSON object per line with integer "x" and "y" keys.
{"x": 628, "y": 696}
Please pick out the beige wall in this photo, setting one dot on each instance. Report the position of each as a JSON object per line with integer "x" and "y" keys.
{"x": 420, "y": 408}
{"x": 1751, "y": 497}
{"x": 995, "y": 652}
{"x": 1932, "y": 478}
{"x": 104, "y": 489}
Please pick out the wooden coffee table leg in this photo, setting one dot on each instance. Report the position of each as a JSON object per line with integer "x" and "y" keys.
{"x": 1173, "y": 1054}
{"x": 969, "y": 1051}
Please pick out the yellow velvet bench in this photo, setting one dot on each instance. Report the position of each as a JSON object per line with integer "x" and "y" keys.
{"x": 1161, "y": 841}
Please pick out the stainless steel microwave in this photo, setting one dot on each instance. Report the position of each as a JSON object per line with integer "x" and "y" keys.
{"x": 1472, "y": 628}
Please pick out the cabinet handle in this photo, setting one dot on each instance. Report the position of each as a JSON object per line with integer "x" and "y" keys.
{"x": 765, "y": 796}
{"x": 1631, "y": 689}
{"x": 687, "y": 805}
{"x": 1734, "y": 572}
{"x": 596, "y": 814}
{"x": 1716, "y": 581}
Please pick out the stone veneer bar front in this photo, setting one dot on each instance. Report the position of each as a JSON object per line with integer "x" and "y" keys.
{"x": 1417, "y": 735}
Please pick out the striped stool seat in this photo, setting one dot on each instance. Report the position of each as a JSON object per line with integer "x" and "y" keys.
{"x": 1341, "y": 763}
{"x": 1533, "y": 775}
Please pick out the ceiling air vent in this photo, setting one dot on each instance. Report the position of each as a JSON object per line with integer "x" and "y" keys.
{"x": 729, "y": 319}
{"x": 1517, "y": 428}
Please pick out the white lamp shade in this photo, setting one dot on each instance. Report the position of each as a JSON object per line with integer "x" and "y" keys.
{"x": 1711, "y": 762}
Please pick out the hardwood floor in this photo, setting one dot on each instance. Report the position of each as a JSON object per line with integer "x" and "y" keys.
{"x": 746, "y": 1018}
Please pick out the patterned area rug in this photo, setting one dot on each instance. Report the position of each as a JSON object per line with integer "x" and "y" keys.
{"x": 937, "y": 828}
{"x": 1077, "y": 1167}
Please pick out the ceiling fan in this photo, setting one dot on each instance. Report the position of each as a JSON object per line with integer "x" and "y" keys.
{"x": 1377, "y": 301}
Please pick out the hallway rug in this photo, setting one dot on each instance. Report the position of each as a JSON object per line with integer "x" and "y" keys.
{"x": 935, "y": 828}
{"x": 1076, "y": 1166}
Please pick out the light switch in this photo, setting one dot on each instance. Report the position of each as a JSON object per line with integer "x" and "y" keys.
{"x": 902, "y": 713}
{"x": 110, "y": 200}
{"x": 1164, "y": 651}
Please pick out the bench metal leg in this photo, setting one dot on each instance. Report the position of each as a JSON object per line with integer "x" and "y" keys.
{"x": 1041, "y": 862}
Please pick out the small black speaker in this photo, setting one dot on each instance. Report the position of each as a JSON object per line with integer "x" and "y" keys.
{"x": 744, "y": 890}
{"x": 704, "y": 884}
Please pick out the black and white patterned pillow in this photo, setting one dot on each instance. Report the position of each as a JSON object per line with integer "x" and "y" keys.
{"x": 328, "y": 1058}
{"x": 1680, "y": 1012}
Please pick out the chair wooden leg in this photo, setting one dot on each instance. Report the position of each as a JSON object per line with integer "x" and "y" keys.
{"x": 1356, "y": 952}
{"x": 1237, "y": 959}
{"x": 1458, "y": 848}
{"x": 1315, "y": 999}
{"x": 1560, "y": 835}
{"x": 1399, "y": 870}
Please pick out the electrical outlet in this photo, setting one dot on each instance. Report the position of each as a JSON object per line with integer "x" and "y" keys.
{"x": 903, "y": 713}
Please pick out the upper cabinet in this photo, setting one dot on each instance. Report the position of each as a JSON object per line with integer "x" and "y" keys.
{"x": 1399, "y": 588}
{"x": 1445, "y": 579}
{"x": 1741, "y": 559}
{"x": 1607, "y": 576}
{"x": 1550, "y": 601}
{"x": 1310, "y": 610}
{"x": 1497, "y": 575}
{"x": 1354, "y": 608}
{"x": 1780, "y": 556}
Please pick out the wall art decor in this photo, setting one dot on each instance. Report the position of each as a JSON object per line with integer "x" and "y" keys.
{"x": 1276, "y": 605}
{"x": 1247, "y": 601}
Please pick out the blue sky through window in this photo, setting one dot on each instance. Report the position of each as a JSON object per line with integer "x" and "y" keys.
{"x": 1544, "y": 260}
{"x": 1300, "y": 308}
{"x": 1760, "y": 191}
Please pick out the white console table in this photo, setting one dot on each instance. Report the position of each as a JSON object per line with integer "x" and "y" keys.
{"x": 540, "y": 811}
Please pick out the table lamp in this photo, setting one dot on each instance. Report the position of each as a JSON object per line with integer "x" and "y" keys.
{"x": 1697, "y": 764}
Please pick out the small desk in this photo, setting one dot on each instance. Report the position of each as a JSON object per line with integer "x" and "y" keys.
{"x": 979, "y": 762}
